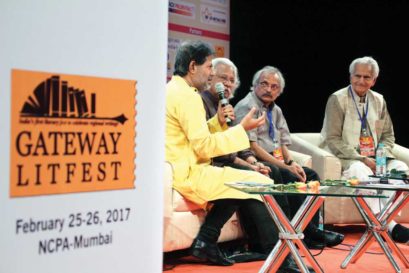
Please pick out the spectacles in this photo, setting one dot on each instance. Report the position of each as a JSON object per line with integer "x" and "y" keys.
{"x": 226, "y": 79}
{"x": 266, "y": 85}
{"x": 365, "y": 77}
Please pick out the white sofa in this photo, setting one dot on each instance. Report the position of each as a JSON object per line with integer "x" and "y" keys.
{"x": 338, "y": 210}
{"x": 182, "y": 218}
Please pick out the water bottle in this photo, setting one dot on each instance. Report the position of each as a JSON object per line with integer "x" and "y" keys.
{"x": 321, "y": 218}
{"x": 381, "y": 160}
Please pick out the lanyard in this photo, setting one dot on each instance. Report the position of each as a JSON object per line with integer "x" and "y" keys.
{"x": 270, "y": 124}
{"x": 365, "y": 113}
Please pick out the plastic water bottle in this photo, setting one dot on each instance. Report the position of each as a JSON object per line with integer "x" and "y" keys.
{"x": 381, "y": 160}
{"x": 321, "y": 218}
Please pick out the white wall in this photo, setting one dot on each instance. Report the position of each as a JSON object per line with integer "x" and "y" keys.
{"x": 113, "y": 39}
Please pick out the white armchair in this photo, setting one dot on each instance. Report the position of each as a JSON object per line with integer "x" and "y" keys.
{"x": 338, "y": 210}
{"x": 182, "y": 218}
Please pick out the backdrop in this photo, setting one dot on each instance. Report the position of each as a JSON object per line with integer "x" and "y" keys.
{"x": 313, "y": 43}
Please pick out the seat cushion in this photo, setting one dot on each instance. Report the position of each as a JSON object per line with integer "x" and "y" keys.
{"x": 181, "y": 204}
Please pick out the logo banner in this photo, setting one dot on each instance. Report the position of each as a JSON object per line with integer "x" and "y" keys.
{"x": 71, "y": 133}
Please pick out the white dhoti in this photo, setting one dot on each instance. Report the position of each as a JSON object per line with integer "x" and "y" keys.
{"x": 362, "y": 172}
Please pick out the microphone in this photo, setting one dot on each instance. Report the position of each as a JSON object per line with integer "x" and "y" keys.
{"x": 223, "y": 101}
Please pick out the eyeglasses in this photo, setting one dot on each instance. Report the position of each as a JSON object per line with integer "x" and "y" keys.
{"x": 365, "y": 77}
{"x": 266, "y": 85}
{"x": 226, "y": 79}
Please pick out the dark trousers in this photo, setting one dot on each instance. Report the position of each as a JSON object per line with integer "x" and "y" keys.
{"x": 258, "y": 224}
{"x": 275, "y": 175}
{"x": 259, "y": 227}
{"x": 296, "y": 201}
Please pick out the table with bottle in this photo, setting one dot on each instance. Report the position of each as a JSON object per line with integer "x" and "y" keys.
{"x": 291, "y": 232}
{"x": 377, "y": 224}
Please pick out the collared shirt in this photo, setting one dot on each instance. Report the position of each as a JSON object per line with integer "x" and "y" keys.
{"x": 261, "y": 134}
{"x": 211, "y": 104}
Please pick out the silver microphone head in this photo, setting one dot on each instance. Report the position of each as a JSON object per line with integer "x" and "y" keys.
{"x": 219, "y": 88}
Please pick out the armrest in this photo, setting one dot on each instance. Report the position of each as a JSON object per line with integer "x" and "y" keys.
{"x": 302, "y": 159}
{"x": 401, "y": 153}
{"x": 324, "y": 163}
{"x": 167, "y": 190}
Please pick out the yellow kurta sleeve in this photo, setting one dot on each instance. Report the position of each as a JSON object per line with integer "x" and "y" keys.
{"x": 214, "y": 125}
{"x": 203, "y": 142}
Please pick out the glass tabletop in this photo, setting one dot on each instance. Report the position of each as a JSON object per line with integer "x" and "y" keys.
{"x": 296, "y": 189}
{"x": 394, "y": 174}
{"x": 383, "y": 183}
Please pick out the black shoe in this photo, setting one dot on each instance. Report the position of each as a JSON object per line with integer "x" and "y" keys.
{"x": 400, "y": 234}
{"x": 290, "y": 266}
{"x": 209, "y": 252}
{"x": 248, "y": 256}
{"x": 312, "y": 244}
{"x": 329, "y": 238}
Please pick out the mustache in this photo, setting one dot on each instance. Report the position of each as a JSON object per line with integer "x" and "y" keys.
{"x": 267, "y": 95}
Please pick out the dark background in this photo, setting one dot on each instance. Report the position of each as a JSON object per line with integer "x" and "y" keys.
{"x": 313, "y": 43}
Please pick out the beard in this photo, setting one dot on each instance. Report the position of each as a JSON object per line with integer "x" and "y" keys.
{"x": 203, "y": 86}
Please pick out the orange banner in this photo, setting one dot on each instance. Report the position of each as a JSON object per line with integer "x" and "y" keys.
{"x": 71, "y": 133}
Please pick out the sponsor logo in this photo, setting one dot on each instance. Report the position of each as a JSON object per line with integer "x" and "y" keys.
{"x": 219, "y": 51}
{"x": 71, "y": 134}
{"x": 213, "y": 16}
{"x": 216, "y": 2}
{"x": 173, "y": 43}
{"x": 182, "y": 9}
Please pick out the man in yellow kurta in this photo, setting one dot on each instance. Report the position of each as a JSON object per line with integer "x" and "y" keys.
{"x": 190, "y": 145}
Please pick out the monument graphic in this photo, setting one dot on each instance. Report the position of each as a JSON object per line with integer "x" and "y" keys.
{"x": 53, "y": 98}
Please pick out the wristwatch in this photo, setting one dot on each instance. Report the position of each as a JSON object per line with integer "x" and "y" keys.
{"x": 289, "y": 162}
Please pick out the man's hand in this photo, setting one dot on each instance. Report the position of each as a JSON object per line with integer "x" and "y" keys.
{"x": 263, "y": 169}
{"x": 250, "y": 123}
{"x": 370, "y": 162}
{"x": 223, "y": 112}
{"x": 298, "y": 171}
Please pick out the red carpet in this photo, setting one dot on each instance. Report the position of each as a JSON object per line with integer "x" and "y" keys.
{"x": 330, "y": 259}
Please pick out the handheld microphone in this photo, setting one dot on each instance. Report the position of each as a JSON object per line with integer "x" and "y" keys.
{"x": 223, "y": 101}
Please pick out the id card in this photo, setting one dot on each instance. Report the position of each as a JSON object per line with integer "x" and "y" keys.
{"x": 366, "y": 146}
{"x": 278, "y": 154}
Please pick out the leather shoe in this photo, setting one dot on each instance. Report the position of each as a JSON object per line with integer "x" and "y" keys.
{"x": 209, "y": 252}
{"x": 329, "y": 238}
{"x": 312, "y": 244}
{"x": 400, "y": 234}
{"x": 290, "y": 266}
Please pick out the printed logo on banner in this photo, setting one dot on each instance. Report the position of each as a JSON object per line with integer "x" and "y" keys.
{"x": 219, "y": 51}
{"x": 173, "y": 43}
{"x": 219, "y": 2}
{"x": 182, "y": 9}
{"x": 71, "y": 134}
{"x": 213, "y": 16}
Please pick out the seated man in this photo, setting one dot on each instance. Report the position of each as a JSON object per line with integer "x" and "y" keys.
{"x": 225, "y": 72}
{"x": 190, "y": 146}
{"x": 269, "y": 142}
{"x": 354, "y": 115}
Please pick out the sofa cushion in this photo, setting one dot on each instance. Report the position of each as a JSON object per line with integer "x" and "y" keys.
{"x": 181, "y": 204}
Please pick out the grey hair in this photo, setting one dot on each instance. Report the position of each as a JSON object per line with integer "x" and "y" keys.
{"x": 365, "y": 60}
{"x": 225, "y": 61}
{"x": 269, "y": 70}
